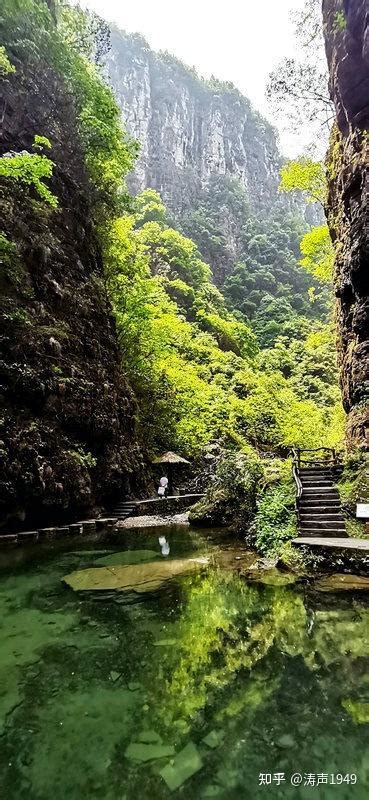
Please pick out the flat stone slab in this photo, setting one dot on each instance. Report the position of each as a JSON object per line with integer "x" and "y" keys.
{"x": 106, "y": 522}
{"x": 128, "y": 557}
{"x": 160, "y": 500}
{"x": 184, "y": 765}
{"x": 147, "y": 577}
{"x": 139, "y": 751}
{"x": 333, "y": 542}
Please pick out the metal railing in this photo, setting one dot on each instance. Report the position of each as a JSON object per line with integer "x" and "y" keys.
{"x": 331, "y": 457}
{"x": 296, "y": 477}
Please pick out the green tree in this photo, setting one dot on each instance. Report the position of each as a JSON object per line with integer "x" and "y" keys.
{"x": 305, "y": 176}
{"x": 6, "y": 67}
{"x": 318, "y": 254}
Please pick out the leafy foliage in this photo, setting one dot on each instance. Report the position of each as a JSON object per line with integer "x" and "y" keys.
{"x": 69, "y": 47}
{"x": 316, "y": 246}
{"x": 275, "y": 520}
{"x": 40, "y": 142}
{"x": 318, "y": 255}
{"x": 31, "y": 170}
{"x": 305, "y": 176}
{"x": 231, "y": 497}
{"x": 6, "y": 67}
{"x": 195, "y": 366}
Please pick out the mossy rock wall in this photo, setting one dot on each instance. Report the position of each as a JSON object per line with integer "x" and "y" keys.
{"x": 348, "y": 206}
{"x": 67, "y": 421}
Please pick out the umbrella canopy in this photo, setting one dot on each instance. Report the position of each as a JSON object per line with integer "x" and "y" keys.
{"x": 170, "y": 458}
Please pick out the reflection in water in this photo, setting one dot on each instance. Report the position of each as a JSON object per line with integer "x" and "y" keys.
{"x": 235, "y": 679}
{"x": 165, "y": 549}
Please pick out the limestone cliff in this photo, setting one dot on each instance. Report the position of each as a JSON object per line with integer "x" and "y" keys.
{"x": 346, "y": 28}
{"x": 189, "y": 129}
{"x": 67, "y": 414}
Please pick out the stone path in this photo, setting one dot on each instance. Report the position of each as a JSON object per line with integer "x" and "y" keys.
{"x": 345, "y": 543}
{"x": 127, "y": 508}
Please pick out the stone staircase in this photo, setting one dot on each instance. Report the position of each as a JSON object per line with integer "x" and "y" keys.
{"x": 319, "y": 506}
{"x": 124, "y": 509}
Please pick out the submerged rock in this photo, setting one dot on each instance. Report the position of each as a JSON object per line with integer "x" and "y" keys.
{"x": 138, "y": 751}
{"x": 185, "y": 764}
{"x": 149, "y": 737}
{"x": 214, "y": 739}
{"x": 342, "y": 583}
{"x": 270, "y": 576}
{"x": 286, "y": 741}
{"x": 128, "y": 557}
{"x": 136, "y": 578}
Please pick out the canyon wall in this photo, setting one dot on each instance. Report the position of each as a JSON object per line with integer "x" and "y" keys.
{"x": 67, "y": 441}
{"x": 189, "y": 129}
{"x": 346, "y": 29}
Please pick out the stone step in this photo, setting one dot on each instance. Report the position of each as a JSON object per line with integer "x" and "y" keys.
{"x": 323, "y": 517}
{"x": 320, "y": 502}
{"x": 305, "y": 473}
{"x": 317, "y": 484}
{"x": 323, "y": 523}
{"x": 318, "y": 521}
{"x": 315, "y": 469}
{"x": 322, "y": 526}
{"x": 318, "y": 498}
{"x": 321, "y": 530}
{"x": 320, "y": 490}
{"x": 319, "y": 534}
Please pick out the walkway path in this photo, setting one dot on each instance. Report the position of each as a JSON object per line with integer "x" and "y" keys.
{"x": 127, "y": 508}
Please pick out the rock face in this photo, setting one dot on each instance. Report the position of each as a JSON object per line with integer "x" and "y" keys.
{"x": 347, "y": 45}
{"x": 67, "y": 413}
{"x": 189, "y": 129}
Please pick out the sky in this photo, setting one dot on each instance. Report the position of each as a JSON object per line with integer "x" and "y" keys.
{"x": 235, "y": 40}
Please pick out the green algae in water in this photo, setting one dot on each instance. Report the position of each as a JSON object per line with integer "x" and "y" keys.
{"x": 216, "y": 680}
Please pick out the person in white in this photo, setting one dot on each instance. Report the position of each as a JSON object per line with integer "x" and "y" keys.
{"x": 163, "y": 485}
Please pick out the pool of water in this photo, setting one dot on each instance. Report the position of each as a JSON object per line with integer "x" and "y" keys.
{"x": 210, "y": 687}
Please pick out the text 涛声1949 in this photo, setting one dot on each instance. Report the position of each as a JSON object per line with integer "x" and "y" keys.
{"x": 307, "y": 778}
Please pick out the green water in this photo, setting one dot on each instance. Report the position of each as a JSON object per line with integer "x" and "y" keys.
{"x": 278, "y": 676}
